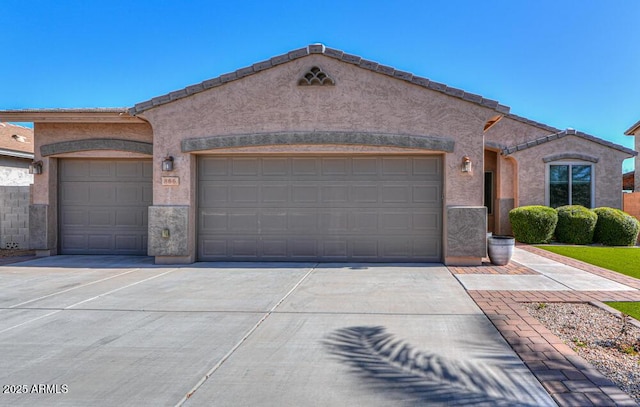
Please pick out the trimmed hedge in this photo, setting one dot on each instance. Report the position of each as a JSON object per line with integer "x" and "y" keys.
{"x": 576, "y": 224}
{"x": 615, "y": 228}
{"x": 533, "y": 224}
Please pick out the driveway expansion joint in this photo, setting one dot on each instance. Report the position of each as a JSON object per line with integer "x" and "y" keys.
{"x": 244, "y": 338}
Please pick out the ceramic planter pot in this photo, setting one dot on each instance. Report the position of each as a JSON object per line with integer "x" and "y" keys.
{"x": 500, "y": 249}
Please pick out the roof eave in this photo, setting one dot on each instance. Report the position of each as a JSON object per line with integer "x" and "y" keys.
{"x": 569, "y": 132}
{"x": 633, "y": 129}
{"x": 107, "y": 115}
{"x": 16, "y": 154}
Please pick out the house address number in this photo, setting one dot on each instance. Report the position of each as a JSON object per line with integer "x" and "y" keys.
{"x": 171, "y": 181}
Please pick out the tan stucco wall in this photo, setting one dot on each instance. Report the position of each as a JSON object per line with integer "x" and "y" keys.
{"x": 361, "y": 100}
{"x": 532, "y": 188}
{"x": 48, "y": 133}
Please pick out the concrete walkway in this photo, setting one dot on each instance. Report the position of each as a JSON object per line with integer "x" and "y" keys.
{"x": 536, "y": 275}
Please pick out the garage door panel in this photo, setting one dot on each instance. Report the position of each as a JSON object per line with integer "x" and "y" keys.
{"x": 335, "y": 166}
{"x": 364, "y": 166}
{"x": 73, "y": 218}
{"x": 364, "y": 194}
{"x": 102, "y": 193}
{"x": 244, "y": 194}
{"x": 128, "y": 194}
{"x": 304, "y": 166}
{"x": 363, "y": 221}
{"x": 274, "y": 248}
{"x": 244, "y": 221}
{"x": 130, "y": 217}
{"x": 212, "y": 168}
{"x": 426, "y": 194}
{"x": 100, "y": 218}
{"x": 273, "y": 221}
{"x": 100, "y": 241}
{"x": 320, "y": 208}
{"x": 74, "y": 192}
{"x": 334, "y": 221}
{"x": 396, "y": 194}
{"x": 213, "y": 248}
{"x": 275, "y": 193}
{"x": 213, "y": 193}
{"x": 275, "y": 167}
{"x": 303, "y": 248}
{"x": 246, "y": 248}
{"x": 395, "y": 221}
{"x": 101, "y": 169}
{"x": 426, "y": 221}
{"x": 103, "y": 206}
{"x": 395, "y": 166}
{"x": 245, "y": 166}
{"x": 334, "y": 248}
{"x": 304, "y": 194}
{"x": 127, "y": 242}
{"x": 301, "y": 220}
{"x": 335, "y": 194}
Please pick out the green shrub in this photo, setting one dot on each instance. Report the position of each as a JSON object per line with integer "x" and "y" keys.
{"x": 615, "y": 228}
{"x": 576, "y": 224}
{"x": 533, "y": 224}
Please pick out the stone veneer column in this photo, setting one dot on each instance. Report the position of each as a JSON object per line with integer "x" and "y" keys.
{"x": 465, "y": 235}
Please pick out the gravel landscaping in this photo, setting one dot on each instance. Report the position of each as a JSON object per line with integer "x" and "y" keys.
{"x": 600, "y": 337}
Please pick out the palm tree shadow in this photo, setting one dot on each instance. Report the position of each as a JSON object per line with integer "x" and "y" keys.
{"x": 392, "y": 366}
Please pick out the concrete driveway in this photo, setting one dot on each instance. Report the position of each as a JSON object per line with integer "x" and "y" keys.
{"x": 106, "y": 330}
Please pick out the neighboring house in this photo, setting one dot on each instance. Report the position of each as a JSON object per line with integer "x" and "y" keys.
{"x": 628, "y": 181}
{"x": 635, "y": 131}
{"x": 16, "y": 153}
{"x": 314, "y": 155}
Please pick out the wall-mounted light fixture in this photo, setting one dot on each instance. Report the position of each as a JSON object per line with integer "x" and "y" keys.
{"x": 35, "y": 167}
{"x": 167, "y": 163}
{"x": 466, "y": 164}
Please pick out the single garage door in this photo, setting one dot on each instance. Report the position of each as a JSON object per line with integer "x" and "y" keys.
{"x": 103, "y": 206}
{"x": 370, "y": 208}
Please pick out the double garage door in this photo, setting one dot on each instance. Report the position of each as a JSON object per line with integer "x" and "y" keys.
{"x": 369, "y": 208}
{"x": 103, "y": 206}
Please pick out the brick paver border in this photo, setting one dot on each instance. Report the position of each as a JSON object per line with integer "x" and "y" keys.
{"x": 567, "y": 377}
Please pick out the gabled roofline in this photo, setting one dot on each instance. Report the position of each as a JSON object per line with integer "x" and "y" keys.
{"x": 91, "y": 115}
{"x": 322, "y": 50}
{"x": 632, "y": 129}
{"x": 564, "y": 133}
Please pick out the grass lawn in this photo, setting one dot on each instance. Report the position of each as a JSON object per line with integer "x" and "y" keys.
{"x": 624, "y": 260}
{"x": 630, "y": 308}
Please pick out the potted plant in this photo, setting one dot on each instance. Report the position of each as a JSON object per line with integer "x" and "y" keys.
{"x": 500, "y": 249}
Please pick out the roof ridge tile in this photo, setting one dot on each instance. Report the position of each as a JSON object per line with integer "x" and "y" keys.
{"x": 329, "y": 52}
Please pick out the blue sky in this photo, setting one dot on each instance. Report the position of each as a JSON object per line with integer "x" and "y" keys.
{"x": 564, "y": 63}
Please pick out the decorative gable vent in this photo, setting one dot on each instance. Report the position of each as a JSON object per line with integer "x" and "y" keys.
{"x": 315, "y": 76}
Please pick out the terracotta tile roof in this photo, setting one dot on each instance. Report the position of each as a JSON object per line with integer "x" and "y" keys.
{"x": 560, "y": 134}
{"x": 331, "y": 53}
{"x": 15, "y": 140}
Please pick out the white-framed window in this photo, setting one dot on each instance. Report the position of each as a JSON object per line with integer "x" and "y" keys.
{"x": 570, "y": 183}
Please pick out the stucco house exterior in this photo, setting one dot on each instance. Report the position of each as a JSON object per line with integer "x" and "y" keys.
{"x": 314, "y": 155}
{"x": 634, "y": 131}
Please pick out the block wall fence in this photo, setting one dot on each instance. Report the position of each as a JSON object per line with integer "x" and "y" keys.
{"x": 14, "y": 217}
